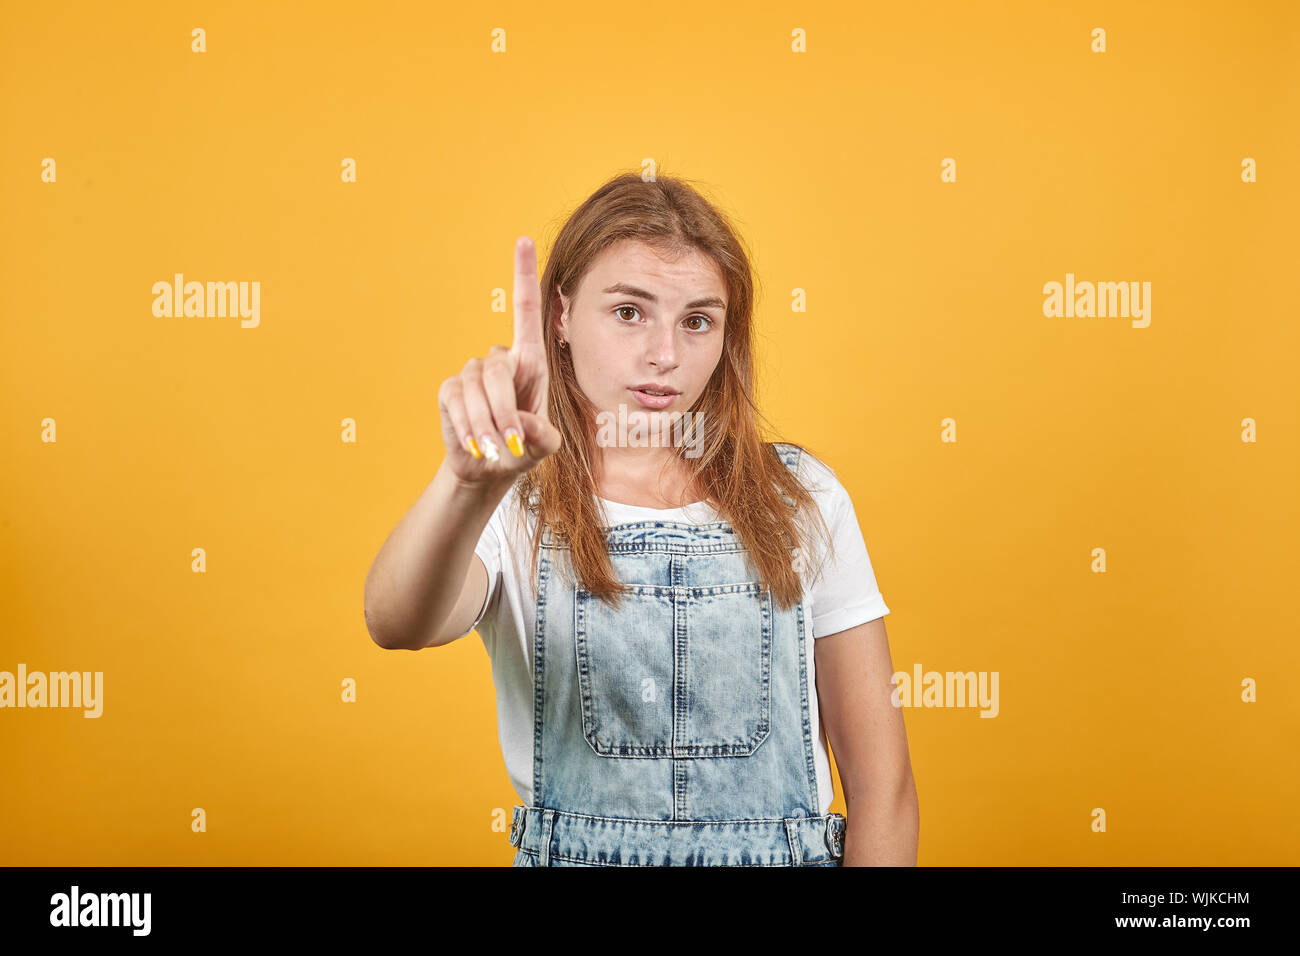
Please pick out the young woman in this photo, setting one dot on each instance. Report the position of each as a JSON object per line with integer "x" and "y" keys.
{"x": 677, "y": 611}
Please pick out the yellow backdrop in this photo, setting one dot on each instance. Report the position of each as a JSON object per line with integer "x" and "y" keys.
{"x": 1101, "y": 510}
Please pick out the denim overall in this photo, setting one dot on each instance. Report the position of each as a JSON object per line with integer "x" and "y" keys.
{"x": 676, "y": 731}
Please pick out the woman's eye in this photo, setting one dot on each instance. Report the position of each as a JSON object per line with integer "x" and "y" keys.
{"x": 704, "y": 318}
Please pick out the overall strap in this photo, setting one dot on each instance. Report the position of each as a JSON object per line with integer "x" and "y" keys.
{"x": 791, "y": 457}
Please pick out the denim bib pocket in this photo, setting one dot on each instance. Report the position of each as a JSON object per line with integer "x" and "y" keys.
{"x": 679, "y": 671}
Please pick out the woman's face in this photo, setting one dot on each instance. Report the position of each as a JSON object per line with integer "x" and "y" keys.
{"x": 637, "y": 319}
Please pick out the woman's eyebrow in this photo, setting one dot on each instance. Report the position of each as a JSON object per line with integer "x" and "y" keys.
{"x": 622, "y": 288}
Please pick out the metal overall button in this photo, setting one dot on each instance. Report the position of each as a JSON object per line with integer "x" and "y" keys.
{"x": 517, "y": 827}
{"x": 835, "y": 836}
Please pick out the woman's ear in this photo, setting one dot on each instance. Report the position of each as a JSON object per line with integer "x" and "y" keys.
{"x": 561, "y": 311}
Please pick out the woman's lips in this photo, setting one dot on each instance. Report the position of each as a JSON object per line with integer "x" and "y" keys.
{"x": 652, "y": 401}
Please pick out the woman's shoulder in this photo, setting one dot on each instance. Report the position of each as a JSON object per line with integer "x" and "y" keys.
{"x": 815, "y": 475}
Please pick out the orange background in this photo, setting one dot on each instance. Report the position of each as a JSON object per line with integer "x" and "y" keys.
{"x": 222, "y": 690}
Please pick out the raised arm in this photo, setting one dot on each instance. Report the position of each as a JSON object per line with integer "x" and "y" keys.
{"x": 426, "y": 586}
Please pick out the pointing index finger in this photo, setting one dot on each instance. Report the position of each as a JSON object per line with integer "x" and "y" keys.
{"x": 528, "y": 297}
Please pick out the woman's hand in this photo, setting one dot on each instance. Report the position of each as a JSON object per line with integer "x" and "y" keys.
{"x": 494, "y": 415}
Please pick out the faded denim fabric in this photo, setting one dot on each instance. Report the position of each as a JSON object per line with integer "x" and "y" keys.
{"x": 674, "y": 731}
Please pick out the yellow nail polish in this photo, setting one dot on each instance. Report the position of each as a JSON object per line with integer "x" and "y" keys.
{"x": 473, "y": 447}
{"x": 516, "y": 444}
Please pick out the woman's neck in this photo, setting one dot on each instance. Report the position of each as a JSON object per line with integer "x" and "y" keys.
{"x": 657, "y": 483}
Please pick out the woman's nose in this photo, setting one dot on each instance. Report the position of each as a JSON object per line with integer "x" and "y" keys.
{"x": 663, "y": 349}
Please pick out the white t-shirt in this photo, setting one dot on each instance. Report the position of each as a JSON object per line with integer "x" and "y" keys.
{"x": 842, "y": 596}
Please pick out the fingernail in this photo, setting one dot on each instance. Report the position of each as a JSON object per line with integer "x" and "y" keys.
{"x": 472, "y": 446}
{"x": 490, "y": 449}
{"x": 515, "y": 441}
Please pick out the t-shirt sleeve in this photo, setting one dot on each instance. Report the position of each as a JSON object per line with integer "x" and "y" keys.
{"x": 845, "y": 593}
{"x": 489, "y": 550}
